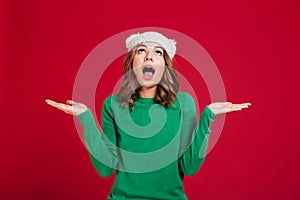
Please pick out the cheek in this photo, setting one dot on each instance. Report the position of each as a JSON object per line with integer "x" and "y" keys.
{"x": 160, "y": 61}
{"x": 134, "y": 63}
{"x": 135, "y": 71}
{"x": 137, "y": 61}
{"x": 161, "y": 71}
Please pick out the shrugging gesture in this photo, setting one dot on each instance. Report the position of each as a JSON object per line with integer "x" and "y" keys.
{"x": 75, "y": 108}
{"x": 140, "y": 160}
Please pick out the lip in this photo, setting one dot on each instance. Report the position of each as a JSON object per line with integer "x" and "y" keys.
{"x": 149, "y": 66}
{"x": 147, "y": 73}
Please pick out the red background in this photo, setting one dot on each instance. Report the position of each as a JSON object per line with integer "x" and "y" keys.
{"x": 255, "y": 45}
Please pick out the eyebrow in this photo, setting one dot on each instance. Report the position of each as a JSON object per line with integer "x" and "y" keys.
{"x": 143, "y": 45}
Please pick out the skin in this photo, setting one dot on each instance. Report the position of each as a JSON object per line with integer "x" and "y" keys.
{"x": 148, "y": 54}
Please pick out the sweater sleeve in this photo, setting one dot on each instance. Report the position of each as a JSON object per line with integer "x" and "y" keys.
{"x": 101, "y": 146}
{"x": 194, "y": 139}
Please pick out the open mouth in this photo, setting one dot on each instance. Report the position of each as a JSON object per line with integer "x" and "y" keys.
{"x": 148, "y": 72}
{"x": 148, "y": 69}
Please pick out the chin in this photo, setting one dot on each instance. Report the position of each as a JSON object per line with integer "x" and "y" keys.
{"x": 148, "y": 84}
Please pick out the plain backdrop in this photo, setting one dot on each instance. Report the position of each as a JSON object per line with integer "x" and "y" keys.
{"x": 255, "y": 45}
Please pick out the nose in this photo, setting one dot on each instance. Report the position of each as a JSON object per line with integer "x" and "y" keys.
{"x": 148, "y": 56}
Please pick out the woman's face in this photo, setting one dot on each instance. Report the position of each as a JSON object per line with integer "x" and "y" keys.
{"x": 149, "y": 64}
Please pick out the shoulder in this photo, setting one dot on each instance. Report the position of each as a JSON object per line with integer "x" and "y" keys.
{"x": 187, "y": 105}
{"x": 185, "y": 102}
{"x": 111, "y": 100}
{"x": 183, "y": 95}
{"x": 111, "y": 103}
{"x": 184, "y": 98}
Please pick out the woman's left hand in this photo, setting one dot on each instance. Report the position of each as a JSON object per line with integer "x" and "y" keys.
{"x": 220, "y": 108}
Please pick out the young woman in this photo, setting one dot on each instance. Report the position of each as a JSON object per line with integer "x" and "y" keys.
{"x": 150, "y": 135}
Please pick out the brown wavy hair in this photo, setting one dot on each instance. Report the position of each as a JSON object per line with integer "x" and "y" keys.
{"x": 166, "y": 89}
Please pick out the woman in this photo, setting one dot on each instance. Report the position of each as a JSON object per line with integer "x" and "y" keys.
{"x": 150, "y": 135}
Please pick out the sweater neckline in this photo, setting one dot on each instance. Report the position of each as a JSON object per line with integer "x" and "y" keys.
{"x": 146, "y": 100}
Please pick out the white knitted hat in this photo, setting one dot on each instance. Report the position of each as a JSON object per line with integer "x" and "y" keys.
{"x": 168, "y": 44}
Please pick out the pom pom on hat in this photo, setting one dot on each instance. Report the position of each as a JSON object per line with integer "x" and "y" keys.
{"x": 168, "y": 44}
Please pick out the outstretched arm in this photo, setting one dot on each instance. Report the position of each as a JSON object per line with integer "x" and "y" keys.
{"x": 102, "y": 149}
{"x": 194, "y": 154}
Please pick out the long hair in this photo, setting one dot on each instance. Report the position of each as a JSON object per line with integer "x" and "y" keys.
{"x": 166, "y": 89}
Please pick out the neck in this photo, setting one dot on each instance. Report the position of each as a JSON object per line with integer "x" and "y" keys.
{"x": 148, "y": 92}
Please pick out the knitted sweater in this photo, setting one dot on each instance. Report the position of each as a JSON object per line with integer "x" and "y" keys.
{"x": 151, "y": 147}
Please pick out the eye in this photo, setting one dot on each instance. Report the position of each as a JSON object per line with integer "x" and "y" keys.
{"x": 141, "y": 50}
{"x": 159, "y": 52}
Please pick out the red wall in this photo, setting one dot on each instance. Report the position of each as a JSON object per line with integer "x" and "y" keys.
{"x": 255, "y": 45}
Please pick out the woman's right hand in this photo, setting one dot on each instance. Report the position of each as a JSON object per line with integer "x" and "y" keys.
{"x": 71, "y": 107}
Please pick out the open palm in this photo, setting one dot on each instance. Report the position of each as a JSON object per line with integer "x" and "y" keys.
{"x": 220, "y": 108}
{"x": 71, "y": 107}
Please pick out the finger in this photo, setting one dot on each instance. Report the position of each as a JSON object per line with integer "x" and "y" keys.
{"x": 225, "y": 103}
{"x": 59, "y": 106}
{"x": 71, "y": 102}
{"x": 49, "y": 101}
{"x": 240, "y": 106}
{"x": 237, "y": 108}
{"x": 66, "y": 108}
{"x": 245, "y": 104}
{"x": 233, "y": 110}
{"x": 229, "y": 110}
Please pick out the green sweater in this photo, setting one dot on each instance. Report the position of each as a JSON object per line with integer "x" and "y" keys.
{"x": 151, "y": 147}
